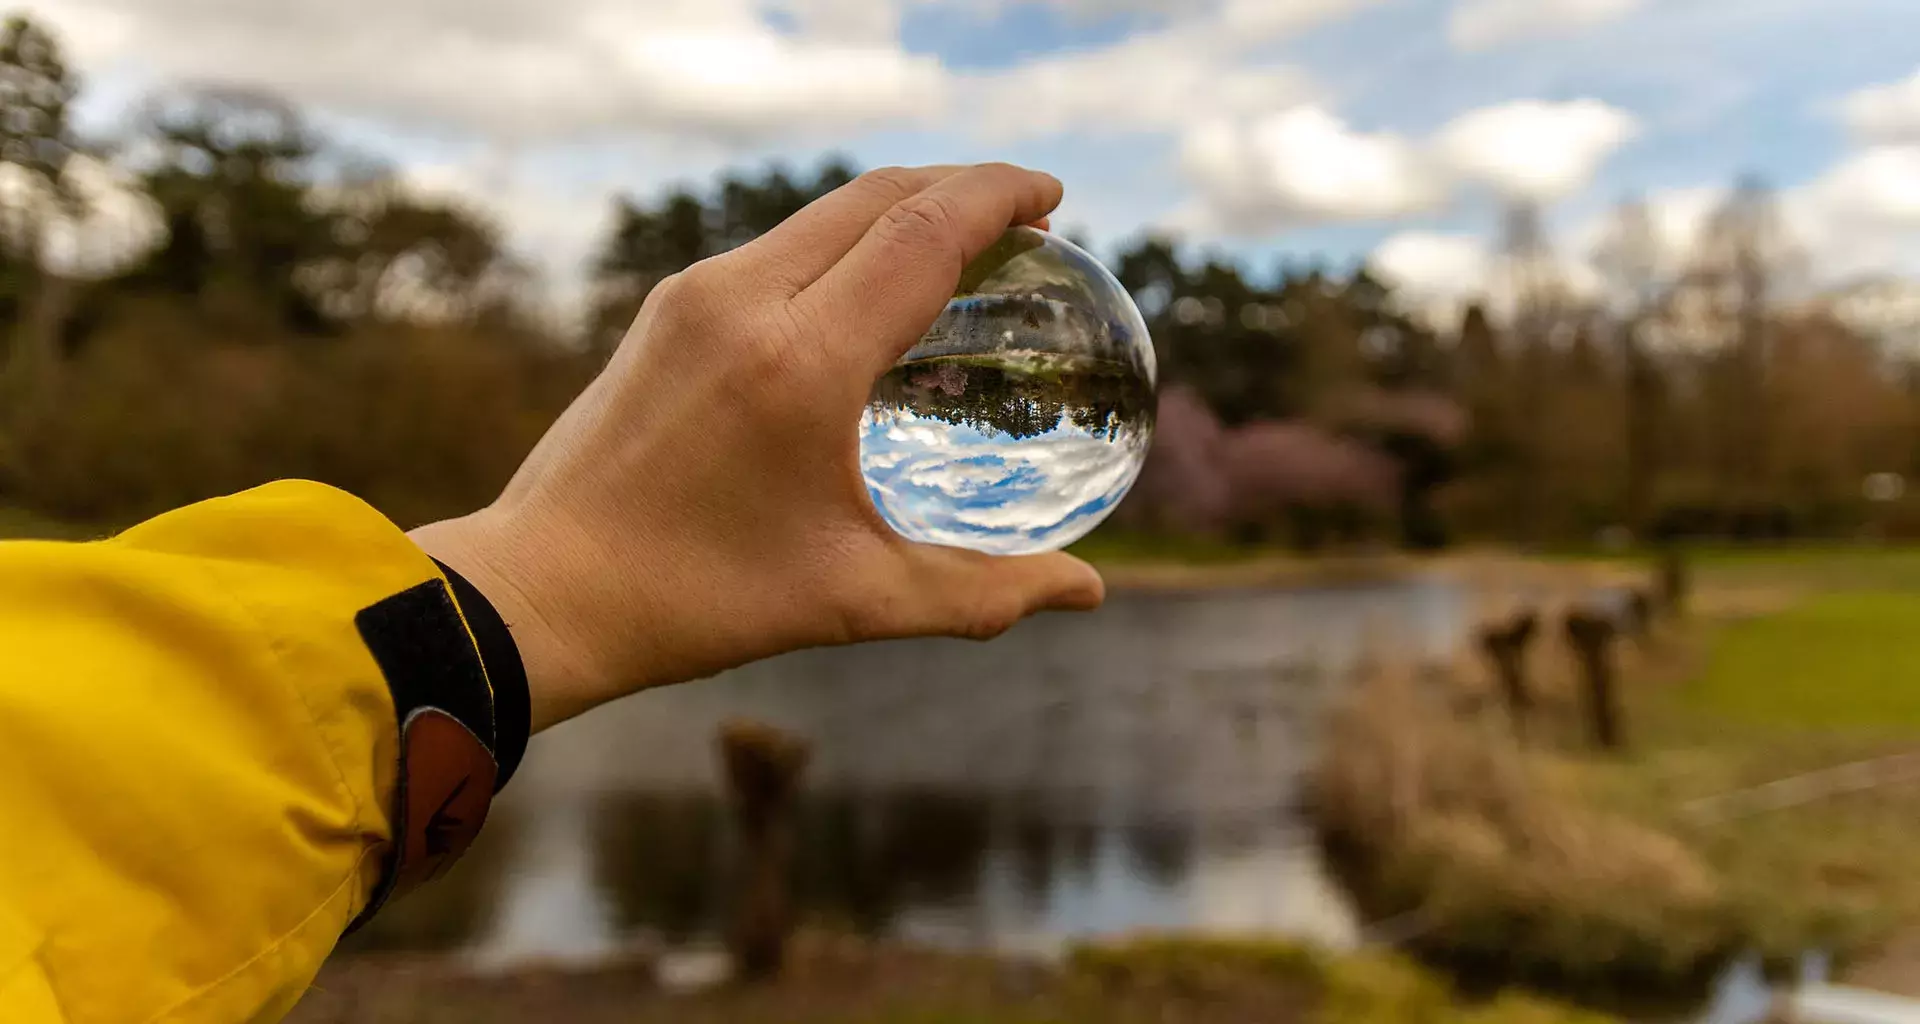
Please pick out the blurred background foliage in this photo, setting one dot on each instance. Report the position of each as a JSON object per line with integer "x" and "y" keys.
{"x": 302, "y": 313}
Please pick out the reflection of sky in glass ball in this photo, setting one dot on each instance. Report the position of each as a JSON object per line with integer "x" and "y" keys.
{"x": 943, "y": 483}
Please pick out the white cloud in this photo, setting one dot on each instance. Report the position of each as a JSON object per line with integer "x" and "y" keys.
{"x": 93, "y": 35}
{"x": 1432, "y": 267}
{"x": 1258, "y": 21}
{"x": 1194, "y": 68}
{"x": 554, "y": 224}
{"x": 1101, "y": 91}
{"x": 504, "y": 69}
{"x": 1532, "y": 149}
{"x": 1858, "y": 219}
{"x": 1863, "y": 215}
{"x": 1886, "y": 113}
{"x": 1878, "y": 185}
{"x": 1481, "y": 24}
{"x": 1675, "y": 218}
{"x": 1679, "y": 215}
{"x": 1438, "y": 275}
{"x": 736, "y": 70}
{"x": 1304, "y": 165}
{"x": 1300, "y": 166}
{"x": 997, "y": 491}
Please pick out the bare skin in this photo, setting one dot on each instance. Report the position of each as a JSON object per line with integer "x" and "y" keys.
{"x": 700, "y": 505}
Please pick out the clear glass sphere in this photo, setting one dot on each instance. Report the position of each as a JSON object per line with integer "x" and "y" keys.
{"x": 1023, "y": 416}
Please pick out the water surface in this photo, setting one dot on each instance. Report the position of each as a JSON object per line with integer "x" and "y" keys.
{"x": 1091, "y": 775}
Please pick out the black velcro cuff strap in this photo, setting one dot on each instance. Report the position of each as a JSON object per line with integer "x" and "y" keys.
{"x": 512, "y": 705}
{"x": 460, "y": 738}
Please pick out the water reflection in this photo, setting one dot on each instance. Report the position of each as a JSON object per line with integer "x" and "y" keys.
{"x": 1084, "y": 776}
{"x": 549, "y": 907}
{"x": 942, "y": 868}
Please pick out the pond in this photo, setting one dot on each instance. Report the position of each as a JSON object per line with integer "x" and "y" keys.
{"x": 1134, "y": 769}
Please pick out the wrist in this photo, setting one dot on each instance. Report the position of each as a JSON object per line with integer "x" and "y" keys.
{"x": 521, "y": 587}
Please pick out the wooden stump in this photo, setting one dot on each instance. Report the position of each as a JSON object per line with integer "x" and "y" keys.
{"x": 1506, "y": 647}
{"x": 1639, "y": 614}
{"x": 1675, "y": 582}
{"x": 763, "y": 769}
{"x": 1591, "y": 637}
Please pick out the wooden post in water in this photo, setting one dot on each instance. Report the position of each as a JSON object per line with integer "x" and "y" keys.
{"x": 1675, "y": 582}
{"x": 1640, "y": 613}
{"x": 1506, "y": 646}
{"x": 763, "y": 769}
{"x": 1591, "y": 637}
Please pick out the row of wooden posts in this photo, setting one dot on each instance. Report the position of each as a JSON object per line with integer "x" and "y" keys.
{"x": 1590, "y": 635}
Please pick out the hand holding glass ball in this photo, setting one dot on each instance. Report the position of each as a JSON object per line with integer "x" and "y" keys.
{"x": 1022, "y": 418}
{"x": 708, "y": 500}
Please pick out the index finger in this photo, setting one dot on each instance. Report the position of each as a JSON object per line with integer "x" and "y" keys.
{"x": 900, "y": 275}
{"x": 808, "y": 244}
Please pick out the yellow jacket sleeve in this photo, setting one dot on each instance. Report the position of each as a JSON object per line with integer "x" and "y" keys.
{"x": 198, "y": 754}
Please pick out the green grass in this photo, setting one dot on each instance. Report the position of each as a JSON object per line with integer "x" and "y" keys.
{"x": 1841, "y": 660}
{"x": 1369, "y": 987}
{"x": 1833, "y": 567}
{"x": 1831, "y": 678}
{"x": 1825, "y": 565}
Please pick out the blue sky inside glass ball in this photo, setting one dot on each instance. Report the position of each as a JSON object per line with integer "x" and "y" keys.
{"x": 955, "y": 484}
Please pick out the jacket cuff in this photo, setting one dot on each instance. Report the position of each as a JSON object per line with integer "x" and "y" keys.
{"x": 506, "y": 674}
{"x": 460, "y": 698}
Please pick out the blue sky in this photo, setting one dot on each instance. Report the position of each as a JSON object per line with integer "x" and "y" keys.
{"x": 1341, "y": 130}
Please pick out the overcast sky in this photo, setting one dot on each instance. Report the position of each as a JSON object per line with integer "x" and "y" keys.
{"x": 1346, "y": 129}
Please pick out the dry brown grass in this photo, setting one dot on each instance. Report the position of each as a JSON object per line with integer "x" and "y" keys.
{"x": 1511, "y": 873}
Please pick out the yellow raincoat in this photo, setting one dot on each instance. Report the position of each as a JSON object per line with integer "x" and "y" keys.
{"x": 199, "y": 755}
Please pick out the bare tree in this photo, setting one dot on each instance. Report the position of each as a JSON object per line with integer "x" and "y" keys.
{"x": 1632, "y": 260}
{"x": 1534, "y": 292}
{"x": 1742, "y": 267}
{"x": 38, "y": 143}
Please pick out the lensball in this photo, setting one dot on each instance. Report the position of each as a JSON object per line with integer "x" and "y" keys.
{"x": 1022, "y": 417}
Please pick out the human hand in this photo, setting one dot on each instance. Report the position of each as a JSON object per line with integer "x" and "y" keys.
{"x": 701, "y": 506}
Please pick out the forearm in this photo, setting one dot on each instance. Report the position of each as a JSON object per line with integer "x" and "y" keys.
{"x": 202, "y": 746}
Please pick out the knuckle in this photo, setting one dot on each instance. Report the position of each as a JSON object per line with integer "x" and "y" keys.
{"x": 894, "y": 183}
{"x": 991, "y": 619}
{"x": 928, "y": 221}
{"x": 690, "y": 300}
{"x": 781, "y": 346}
{"x": 670, "y": 296}
{"x": 698, "y": 284}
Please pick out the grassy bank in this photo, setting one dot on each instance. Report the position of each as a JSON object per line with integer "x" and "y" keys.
{"x": 851, "y": 982}
{"x": 1847, "y": 662}
{"x": 1640, "y": 872}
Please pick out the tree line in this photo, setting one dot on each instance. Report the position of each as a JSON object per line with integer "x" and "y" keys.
{"x": 299, "y": 310}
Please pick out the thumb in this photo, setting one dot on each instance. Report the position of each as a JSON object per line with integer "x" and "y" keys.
{"x": 967, "y": 594}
